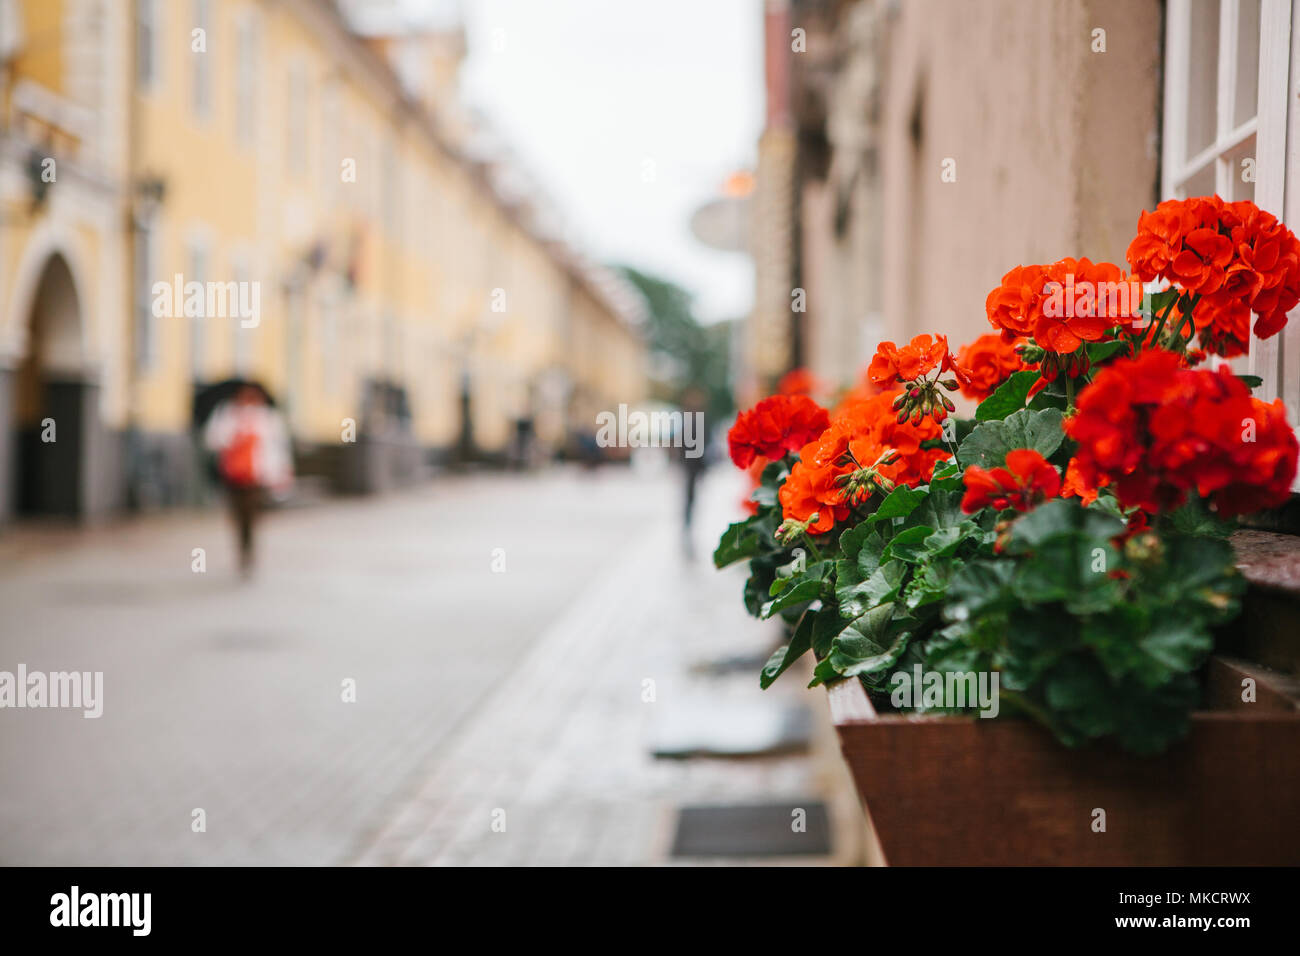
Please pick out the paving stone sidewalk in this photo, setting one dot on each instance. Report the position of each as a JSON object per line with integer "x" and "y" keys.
{"x": 554, "y": 767}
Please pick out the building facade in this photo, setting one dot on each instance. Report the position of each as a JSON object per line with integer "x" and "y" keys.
{"x": 941, "y": 142}
{"x": 349, "y": 252}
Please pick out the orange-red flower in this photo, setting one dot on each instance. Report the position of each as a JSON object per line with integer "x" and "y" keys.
{"x": 892, "y": 364}
{"x": 1237, "y": 257}
{"x": 1027, "y": 480}
{"x": 776, "y": 425}
{"x": 1155, "y": 429}
{"x": 856, "y": 441}
{"x": 1013, "y": 305}
{"x": 1075, "y": 485}
{"x": 797, "y": 381}
{"x": 1064, "y": 304}
{"x": 989, "y": 361}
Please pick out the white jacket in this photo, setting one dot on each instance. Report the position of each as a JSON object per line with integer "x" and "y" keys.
{"x": 273, "y": 464}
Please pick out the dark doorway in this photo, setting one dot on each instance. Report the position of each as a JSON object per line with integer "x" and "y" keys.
{"x": 52, "y": 404}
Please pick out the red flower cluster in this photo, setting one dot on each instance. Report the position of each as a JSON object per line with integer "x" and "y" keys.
{"x": 1027, "y": 480}
{"x": 989, "y": 361}
{"x": 821, "y": 481}
{"x": 1239, "y": 258}
{"x": 919, "y": 357}
{"x": 798, "y": 381}
{"x": 774, "y": 426}
{"x": 1064, "y": 304}
{"x": 1154, "y": 429}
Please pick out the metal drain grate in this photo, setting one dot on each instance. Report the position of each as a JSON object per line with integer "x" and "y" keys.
{"x": 753, "y": 830}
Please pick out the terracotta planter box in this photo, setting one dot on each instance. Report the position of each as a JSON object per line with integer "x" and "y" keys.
{"x": 961, "y": 791}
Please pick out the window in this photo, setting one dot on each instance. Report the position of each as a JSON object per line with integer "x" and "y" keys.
{"x": 328, "y": 313}
{"x": 243, "y": 336}
{"x": 1228, "y": 73}
{"x": 1212, "y": 98}
{"x": 197, "y": 271}
{"x": 146, "y": 325}
{"x": 329, "y": 123}
{"x": 148, "y": 26}
{"x": 201, "y": 59}
{"x": 296, "y": 125}
{"x": 391, "y": 190}
{"x": 246, "y": 54}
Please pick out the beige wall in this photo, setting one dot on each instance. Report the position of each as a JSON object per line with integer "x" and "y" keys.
{"x": 1055, "y": 146}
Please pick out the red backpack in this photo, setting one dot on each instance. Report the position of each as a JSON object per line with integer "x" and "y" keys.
{"x": 237, "y": 459}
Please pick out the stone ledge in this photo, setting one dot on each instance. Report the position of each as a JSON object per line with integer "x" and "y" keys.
{"x": 1269, "y": 560}
{"x": 1268, "y": 630}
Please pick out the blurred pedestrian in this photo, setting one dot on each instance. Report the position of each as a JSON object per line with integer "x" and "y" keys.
{"x": 251, "y": 445}
{"x": 694, "y": 458}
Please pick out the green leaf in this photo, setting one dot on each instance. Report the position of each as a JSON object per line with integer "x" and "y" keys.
{"x": 899, "y": 503}
{"x": 806, "y": 589}
{"x": 780, "y": 661}
{"x": 826, "y": 627}
{"x": 945, "y": 541}
{"x": 991, "y": 441}
{"x": 941, "y": 509}
{"x": 1252, "y": 381}
{"x": 978, "y": 586}
{"x": 738, "y": 542}
{"x": 1058, "y": 517}
{"x": 1099, "y": 352}
{"x": 908, "y": 545}
{"x": 860, "y": 598}
{"x": 852, "y": 540}
{"x": 1009, "y": 397}
{"x": 865, "y": 647}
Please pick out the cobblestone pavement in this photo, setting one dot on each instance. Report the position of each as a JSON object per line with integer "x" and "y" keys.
{"x": 476, "y": 690}
{"x": 555, "y": 766}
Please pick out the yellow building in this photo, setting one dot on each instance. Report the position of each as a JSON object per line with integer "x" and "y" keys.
{"x": 194, "y": 190}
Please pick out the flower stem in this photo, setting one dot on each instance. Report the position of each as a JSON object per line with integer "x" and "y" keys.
{"x": 1164, "y": 317}
{"x": 1185, "y": 318}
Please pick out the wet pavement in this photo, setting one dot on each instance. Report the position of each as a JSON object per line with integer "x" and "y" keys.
{"x": 518, "y": 645}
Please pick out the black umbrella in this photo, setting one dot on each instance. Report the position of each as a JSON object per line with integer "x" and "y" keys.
{"x": 207, "y": 398}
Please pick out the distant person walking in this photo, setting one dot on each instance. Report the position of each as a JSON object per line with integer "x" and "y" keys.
{"x": 251, "y": 444}
{"x": 694, "y": 462}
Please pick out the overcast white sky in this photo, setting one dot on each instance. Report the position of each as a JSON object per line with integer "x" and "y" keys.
{"x": 597, "y": 96}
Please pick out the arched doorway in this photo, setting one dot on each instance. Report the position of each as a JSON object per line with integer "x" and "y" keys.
{"x": 52, "y": 403}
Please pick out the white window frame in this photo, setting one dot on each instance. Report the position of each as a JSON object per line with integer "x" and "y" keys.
{"x": 198, "y": 268}
{"x": 1276, "y": 129}
{"x": 242, "y": 341}
{"x": 146, "y": 324}
{"x": 201, "y": 63}
{"x": 297, "y": 97}
{"x": 247, "y": 48}
{"x": 148, "y": 32}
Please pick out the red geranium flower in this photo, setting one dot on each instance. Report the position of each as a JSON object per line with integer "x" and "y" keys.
{"x": 989, "y": 361}
{"x": 865, "y": 437}
{"x": 774, "y": 426}
{"x": 1076, "y": 486}
{"x": 1237, "y": 257}
{"x": 1027, "y": 480}
{"x": 919, "y": 357}
{"x": 798, "y": 381}
{"x": 1064, "y": 304}
{"x": 1155, "y": 429}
